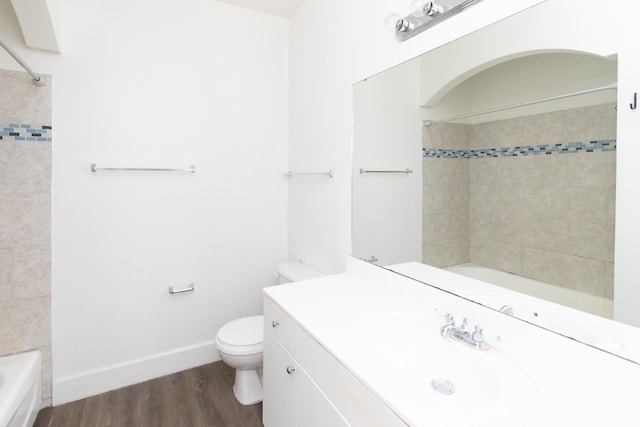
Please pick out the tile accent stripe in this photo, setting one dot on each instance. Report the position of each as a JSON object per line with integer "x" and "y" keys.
{"x": 23, "y": 132}
{"x": 523, "y": 150}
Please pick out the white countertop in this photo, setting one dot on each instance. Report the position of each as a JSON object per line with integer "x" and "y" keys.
{"x": 383, "y": 328}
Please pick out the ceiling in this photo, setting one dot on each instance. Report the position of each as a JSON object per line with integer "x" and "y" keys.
{"x": 283, "y": 8}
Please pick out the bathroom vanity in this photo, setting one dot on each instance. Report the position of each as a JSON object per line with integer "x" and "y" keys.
{"x": 365, "y": 348}
{"x": 305, "y": 385}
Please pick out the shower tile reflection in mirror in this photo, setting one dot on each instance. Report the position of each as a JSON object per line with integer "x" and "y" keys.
{"x": 533, "y": 195}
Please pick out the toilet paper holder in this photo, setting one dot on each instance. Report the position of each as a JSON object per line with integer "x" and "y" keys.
{"x": 172, "y": 291}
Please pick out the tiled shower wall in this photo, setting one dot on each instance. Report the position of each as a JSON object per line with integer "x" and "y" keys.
{"x": 539, "y": 192}
{"x": 25, "y": 219}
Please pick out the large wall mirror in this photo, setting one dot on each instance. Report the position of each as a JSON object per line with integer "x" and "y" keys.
{"x": 494, "y": 157}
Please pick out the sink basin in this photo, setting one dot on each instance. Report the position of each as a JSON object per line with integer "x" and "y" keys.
{"x": 425, "y": 370}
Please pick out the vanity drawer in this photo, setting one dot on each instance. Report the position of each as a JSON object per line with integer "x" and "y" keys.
{"x": 279, "y": 323}
{"x": 359, "y": 406}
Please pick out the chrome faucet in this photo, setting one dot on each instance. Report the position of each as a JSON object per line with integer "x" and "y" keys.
{"x": 463, "y": 334}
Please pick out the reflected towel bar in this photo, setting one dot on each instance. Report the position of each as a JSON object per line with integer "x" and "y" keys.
{"x": 290, "y": 173}
{"x": 407, "y": 171}
{"x": 180, "y": 291}
{"x": 96, "y": 168}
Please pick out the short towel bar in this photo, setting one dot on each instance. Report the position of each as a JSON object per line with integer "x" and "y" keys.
{"x": 179, "y": 291}
{"x": 407, "y": 171}
{"x": 96, "y": 168}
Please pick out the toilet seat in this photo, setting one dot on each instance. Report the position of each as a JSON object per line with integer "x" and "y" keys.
{"x": 242, "y": 336}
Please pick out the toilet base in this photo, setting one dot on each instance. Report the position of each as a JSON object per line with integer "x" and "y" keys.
{"x": 247, "y": 386}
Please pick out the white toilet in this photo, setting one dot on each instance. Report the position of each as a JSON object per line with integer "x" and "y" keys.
{"x": 240, "y": 342}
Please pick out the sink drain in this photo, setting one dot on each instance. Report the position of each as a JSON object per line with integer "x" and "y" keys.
{"x": 443, "y": 386}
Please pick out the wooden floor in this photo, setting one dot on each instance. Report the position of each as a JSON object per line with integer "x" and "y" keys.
{"x": 201, "y": 396}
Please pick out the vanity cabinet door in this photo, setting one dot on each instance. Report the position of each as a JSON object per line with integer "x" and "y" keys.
{"x": 291, "y": 398}
{"x": 278, "y": 385}
{"x": 314, "y": 410}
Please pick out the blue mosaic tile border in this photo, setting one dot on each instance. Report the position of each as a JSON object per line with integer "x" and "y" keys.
{"x": 523, "y": 150}
{"x": 23, "y": 132}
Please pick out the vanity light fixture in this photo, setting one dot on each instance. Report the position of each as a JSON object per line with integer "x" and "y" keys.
{"x": 425, "y": 14}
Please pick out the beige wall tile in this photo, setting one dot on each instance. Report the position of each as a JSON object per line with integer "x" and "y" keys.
{"x": 593, "y": 170}
{"x": 548, "y": 235}
{"x": 22, "y": 101}
{"x": 542, "y": 203}
{"x": 544, "y": 265}
{"x": 547, "y": 171}
{"x": 30, "y": 168}
{"x": 25, "y": 324}
{"x": 609, "y": 280}
{"x": 450, "y": 136}
{"x": 497, "y": 134}
{"x": 586, "y": 275}
{"x": 25, "y": 224}
{"x": 527, "y": 213}
{"x": 5, "y": 162}
{"x": 591, "y": 240}
{"x": 437, "y": 172}
{"x": 511, "y": 172}
{"x": 446, "y": 253}
{"x": 483, "y": 171}
{"x": 480, "y": 200}
{"x": 508, "y": 257}
{"x": 481, "y": 252}
{"x": 610, "y": 207}
{"x": 31, "y": 271}
{"x": 443, "y": 226}
{"x": 595, "y": 122}
{"x": 588, "y": 204}
{"x": 46, "y": 376}
{"x": 490, "y": 199}
{"x": 444, "y": 198}
{"x": 6, "y": 270}
{"x": 481, "y": 227}
{"x": 5, "y": 210}
{"x": 511, "y": 229}
{"x": 29, "y": 220}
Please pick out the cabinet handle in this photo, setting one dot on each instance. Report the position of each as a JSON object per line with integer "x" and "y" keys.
{"x": 275, "y": 323}
{"x": 291, "y": 369}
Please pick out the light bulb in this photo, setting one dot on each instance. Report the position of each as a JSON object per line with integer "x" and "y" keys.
{"x": 391, "y": 22}
{"x": 417, "y": 8}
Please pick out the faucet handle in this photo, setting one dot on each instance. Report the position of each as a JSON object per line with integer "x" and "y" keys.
{"x": 448, "y": 317}
{"x": 477, "y": 335}
{"x": 465, "y": 324}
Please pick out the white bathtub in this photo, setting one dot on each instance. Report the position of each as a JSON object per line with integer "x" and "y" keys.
{"x": 20, "y": 398}
{"x": 560, "y": 295}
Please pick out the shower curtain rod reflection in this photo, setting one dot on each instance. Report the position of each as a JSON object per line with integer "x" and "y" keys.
{"x": 611, "y": 86}
{"x": 38, "y": 80}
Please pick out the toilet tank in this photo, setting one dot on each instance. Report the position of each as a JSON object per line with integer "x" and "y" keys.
{"x": 294, "y": 271}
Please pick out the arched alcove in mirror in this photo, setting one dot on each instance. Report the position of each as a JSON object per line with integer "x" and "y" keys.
{"x": 511, "y": 147}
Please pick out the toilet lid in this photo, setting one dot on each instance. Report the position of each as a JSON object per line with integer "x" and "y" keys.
{"x": 246, "y": 331}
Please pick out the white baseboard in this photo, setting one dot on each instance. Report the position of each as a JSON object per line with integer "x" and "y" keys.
{"x": 90, "y": 383}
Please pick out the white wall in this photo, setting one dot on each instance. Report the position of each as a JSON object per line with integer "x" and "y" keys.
{"x": 335, "y": 44}
{"x": 161, "y": 83}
